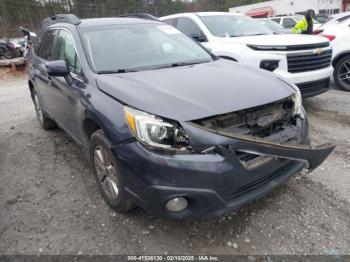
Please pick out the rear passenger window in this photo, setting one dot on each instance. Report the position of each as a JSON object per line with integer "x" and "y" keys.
{"x": 277, "y": 20}
{"x": 65, "y": 50}
{"x": 45, "y": 50}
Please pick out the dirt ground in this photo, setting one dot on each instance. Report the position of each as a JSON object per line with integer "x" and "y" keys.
{"x": 49, "y": 202}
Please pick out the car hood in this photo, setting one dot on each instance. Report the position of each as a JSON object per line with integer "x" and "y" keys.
{"x": 194, "y": 92}
{"x": 275, "y": 40}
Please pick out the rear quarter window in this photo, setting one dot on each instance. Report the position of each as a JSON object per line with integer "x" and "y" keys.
{"x": 277, "y": 20}
{"x": 171, "y": 21}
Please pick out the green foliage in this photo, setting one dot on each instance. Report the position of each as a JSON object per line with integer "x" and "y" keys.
{"x": 30, "y": 13}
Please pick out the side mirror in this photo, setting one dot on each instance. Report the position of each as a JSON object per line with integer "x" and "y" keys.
{"x": 199, "y": 38}
{"x": 57, "y": 68}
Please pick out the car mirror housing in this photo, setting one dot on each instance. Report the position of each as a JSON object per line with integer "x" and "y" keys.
{"x": 57, "y": 68}
{"x": 198, "y": 37}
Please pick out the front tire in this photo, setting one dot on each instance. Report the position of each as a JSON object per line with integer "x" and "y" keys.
{"x": 342, "y": 73}
{"x": 107, "y": 173}
{"x": 45, "y": 122}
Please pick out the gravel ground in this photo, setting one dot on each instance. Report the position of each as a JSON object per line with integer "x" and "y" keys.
{"x": 50, "y": 203}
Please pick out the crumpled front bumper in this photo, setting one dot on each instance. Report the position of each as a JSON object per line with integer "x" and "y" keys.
{"x": 215, "y": 181}
{"x": 311, "y": 156}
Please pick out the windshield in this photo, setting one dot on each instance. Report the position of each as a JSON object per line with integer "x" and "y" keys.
{"x": 271, "y": 24}
{"x": 123, "y": 48}
{"x": 234, "y": 25}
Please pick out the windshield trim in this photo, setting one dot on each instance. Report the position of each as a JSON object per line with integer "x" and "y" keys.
{"x": 155, "y": 67}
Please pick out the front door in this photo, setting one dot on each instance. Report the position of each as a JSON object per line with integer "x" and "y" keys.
{"x": 68, "y": 90}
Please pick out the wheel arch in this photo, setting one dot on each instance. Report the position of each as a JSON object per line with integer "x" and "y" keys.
{"x": 340, "y": 56}
{"x": 90, "y": 125}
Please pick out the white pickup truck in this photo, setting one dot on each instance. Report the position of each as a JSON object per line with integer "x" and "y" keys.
{"x": 302, "y": 59}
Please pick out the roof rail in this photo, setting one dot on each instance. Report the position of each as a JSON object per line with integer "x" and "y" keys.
{"x": 141, "y": 16}
{"x": 61, "y": 18}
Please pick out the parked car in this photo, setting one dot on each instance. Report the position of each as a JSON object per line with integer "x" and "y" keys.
{"x": 337, "y": 30}
{"x": 8, "y": 49}
{"x": 275, "y": 27}
{"x": 167, "y": 126}
{"x": 338, "y": 18}
{"x": 291, "y": 21}
{"x": 303, "y": 60}
{"x": 322, "y": 18}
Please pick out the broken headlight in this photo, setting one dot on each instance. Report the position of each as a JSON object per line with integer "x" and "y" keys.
{"x": 297, "y": 100}
{"x": 154, "y": 131}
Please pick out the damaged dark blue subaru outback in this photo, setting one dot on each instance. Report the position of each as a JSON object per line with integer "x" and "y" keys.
{"x": 167, "y": 126}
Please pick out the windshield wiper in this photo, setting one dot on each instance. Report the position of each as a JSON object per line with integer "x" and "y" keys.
{"x": 178, "y": 64}
{"x": 183, "y": 64}
{"x": 119, "y": 71}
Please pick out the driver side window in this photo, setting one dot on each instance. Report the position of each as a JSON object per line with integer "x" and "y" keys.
{"x": 65, "y": 50}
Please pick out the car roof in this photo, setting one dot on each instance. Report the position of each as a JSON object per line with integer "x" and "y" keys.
{"x": 91, "y": 22}
{"x": 216, "y": 13}
{"x": 200, "y": 14}
{"x": 283, "y": 16}
{"x": 114, "y": 21}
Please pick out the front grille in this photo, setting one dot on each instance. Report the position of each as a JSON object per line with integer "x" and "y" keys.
{"x": 251, "y": 160}
{"x": 289, "y": 47}
{"x": 314, "y": 88}
{"x": 302, "y": 63}
{"x": 261, "y": 181}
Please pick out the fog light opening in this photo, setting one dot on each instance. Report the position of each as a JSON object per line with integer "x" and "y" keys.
{"x": 177, "y": 204}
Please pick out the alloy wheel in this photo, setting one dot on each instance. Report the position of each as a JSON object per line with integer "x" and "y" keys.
{"x": 106, "y": 172}
{"x": 344, "y": 73}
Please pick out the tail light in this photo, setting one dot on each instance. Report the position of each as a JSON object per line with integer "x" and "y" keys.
{"x": 330, "y": 37}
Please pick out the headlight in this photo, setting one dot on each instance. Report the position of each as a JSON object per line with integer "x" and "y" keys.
{"x": 154, "y": 131}
{"x": 296, "y": 97}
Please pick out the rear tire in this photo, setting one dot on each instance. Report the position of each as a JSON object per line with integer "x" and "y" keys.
{"x": 45, "y": 122}
{"x": 341, "y": 73}
{"x": 106, "y": 170}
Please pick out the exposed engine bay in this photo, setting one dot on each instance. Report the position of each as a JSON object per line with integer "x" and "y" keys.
{"x": 273, "y": 122}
